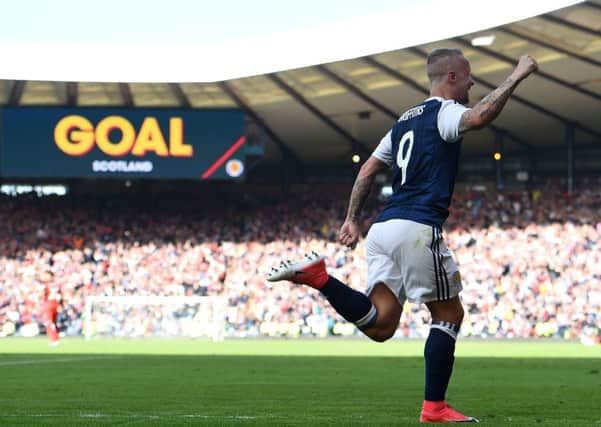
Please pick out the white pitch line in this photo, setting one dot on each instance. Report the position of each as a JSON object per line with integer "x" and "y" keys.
{"x": 135, "y": 416}
{"x": 94, "y": 415}
{"x": 55, "y": 360}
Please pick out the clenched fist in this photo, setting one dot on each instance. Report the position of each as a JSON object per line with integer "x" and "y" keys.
{"x": 526, "y": 66}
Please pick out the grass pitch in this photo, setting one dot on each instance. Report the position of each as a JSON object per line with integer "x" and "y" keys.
{"x": 289, "y": 383}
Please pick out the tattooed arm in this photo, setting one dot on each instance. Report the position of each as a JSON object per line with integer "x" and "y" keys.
{"x": 350, "y": 232}
{"x": 491, "y": 105}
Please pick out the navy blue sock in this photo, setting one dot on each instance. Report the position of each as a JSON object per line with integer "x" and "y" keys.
{"x": 439, "y": 355}
{"x": 354, "y": 306}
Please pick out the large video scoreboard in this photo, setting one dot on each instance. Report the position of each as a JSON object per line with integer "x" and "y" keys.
{"x": 42, "y": 142}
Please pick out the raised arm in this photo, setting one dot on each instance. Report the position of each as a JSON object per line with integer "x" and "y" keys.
{"x": 491, "y": 105}
{"x": 350, "y": 232}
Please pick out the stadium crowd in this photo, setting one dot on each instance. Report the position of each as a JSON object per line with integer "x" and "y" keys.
{"x": 530, "y": 263}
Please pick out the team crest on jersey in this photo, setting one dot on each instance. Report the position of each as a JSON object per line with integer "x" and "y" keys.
{"x": 456, "y": 278}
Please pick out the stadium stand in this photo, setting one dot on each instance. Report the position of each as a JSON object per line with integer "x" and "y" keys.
{"x": 530, "y": 261}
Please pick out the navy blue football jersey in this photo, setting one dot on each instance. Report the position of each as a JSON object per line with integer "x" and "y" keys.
{"x": 423, "y": 150}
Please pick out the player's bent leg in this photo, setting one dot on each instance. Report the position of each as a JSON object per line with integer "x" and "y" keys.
{"x": 439, "y": 356}
{"x": 447, "y": 311}
{"x": 389, "y": 313}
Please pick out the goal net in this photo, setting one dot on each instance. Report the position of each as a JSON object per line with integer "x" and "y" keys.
{"x": 155, "y": 316}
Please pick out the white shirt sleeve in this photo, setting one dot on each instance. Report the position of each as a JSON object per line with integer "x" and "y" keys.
{"x": 449, "y": 116}
{"x": 383, "y": 151}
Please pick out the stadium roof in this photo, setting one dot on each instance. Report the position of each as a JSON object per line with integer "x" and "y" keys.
{"x": 150, "y": 41}
{"x": 322, "y": 114}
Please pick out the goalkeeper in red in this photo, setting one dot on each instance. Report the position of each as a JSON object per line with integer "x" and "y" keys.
{"x": 406, "y": 254}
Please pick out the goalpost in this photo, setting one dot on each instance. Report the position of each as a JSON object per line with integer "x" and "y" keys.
{"x": 155, "y": 316}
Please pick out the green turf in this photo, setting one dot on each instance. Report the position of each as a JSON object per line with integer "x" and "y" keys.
{"x": 289, "y": 383}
